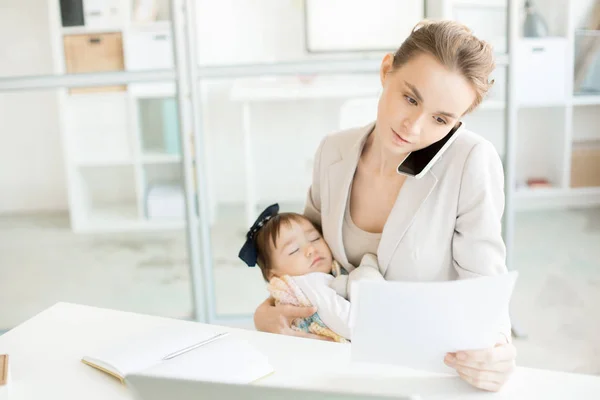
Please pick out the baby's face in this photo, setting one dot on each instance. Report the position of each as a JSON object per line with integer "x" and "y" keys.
{"x": 300, "y": 249}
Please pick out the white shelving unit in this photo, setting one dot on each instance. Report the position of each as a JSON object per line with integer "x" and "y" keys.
{"x": 552, "y": 120}
{"x": 586, "y": 100}
{"x": 115, "y": 143}
{"x": 570, "y": 121}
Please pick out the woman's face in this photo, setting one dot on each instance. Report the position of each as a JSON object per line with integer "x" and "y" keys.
{"x": 420, "y": 103}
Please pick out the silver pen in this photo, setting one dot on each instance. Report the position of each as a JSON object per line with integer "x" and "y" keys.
{"x": 195, "y": 346}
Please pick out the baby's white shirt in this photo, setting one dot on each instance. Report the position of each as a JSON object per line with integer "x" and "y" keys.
{"x": 333, "y": 309}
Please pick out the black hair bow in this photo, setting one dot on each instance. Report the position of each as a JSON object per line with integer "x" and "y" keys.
{"x": 249, "y": 252}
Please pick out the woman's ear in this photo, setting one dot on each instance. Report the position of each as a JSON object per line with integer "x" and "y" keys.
{"x": 387, "y": 65}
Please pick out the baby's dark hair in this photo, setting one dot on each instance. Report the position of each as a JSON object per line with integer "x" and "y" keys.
{"x": 266, "y": 239}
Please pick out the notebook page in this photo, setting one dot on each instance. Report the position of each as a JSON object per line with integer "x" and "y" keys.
{"x": 139, "y": 352}
{"x": 228, "y": 359}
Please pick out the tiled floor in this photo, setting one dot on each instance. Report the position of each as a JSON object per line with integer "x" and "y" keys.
{"x": 557, "y": 298}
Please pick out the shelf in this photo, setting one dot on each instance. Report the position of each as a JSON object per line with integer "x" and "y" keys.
{"x": 589, "y": 100}
{"x": 102, "y": 163}
{"x": 83, "y": 30}
{"x": 152, "y": 90}
{"x": 528, "y": 193}
{"x": 123, "y": 218}
{"x": 556, "y": 198}
{"x": 553, "y": 104}
{"x": 586, "y": 142}
{"x": 480, "y": 3}
{"x": 156, "y": 26}
{"x": 298, "y": 88}
{"x": 293, "y": 88}
{"x": 556, "y": 192}
{"x": 160, "y": 158}
{"x": 492, "y": 105}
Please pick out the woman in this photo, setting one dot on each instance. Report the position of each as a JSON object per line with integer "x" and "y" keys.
{"x": 443, "y": 226}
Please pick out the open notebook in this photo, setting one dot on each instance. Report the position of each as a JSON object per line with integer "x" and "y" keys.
{"x": 162, "y": 353}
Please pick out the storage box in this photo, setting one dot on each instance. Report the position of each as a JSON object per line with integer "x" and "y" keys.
{"x": 94, "y": 53}
{"x": 4, "y": 377}
{"x": 585, "y": 167}
{"x": 71, "y": 12}
{"x": 541, "y": 71}
{"x": 149, "y": 49}
{"x": 105, "y": 14}
{"x": 165, "y": 201}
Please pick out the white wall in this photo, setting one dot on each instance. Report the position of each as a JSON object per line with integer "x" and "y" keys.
{"x": 31, "y": 166}
{"x": 259, "y": 31}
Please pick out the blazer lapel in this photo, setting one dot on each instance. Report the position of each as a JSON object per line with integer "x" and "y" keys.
{"x": 412, "y": 195}
{"x": 340, "y": 175}
{"x": 340, "y": 178}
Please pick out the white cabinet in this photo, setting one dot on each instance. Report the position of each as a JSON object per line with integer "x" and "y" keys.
{"x": 105, "y": 14}
{"x": 98, "y": 129}
{"x": 147, "y": 49}
{"x": 542, "y": 71}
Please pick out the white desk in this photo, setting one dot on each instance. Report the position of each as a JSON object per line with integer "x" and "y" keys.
{"x": 45, "y": 354}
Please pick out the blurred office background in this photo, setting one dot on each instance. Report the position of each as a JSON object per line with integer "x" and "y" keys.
{"x": 132, "y": 186}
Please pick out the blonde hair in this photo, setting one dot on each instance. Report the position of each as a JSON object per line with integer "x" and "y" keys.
{"x": 454, "y": 46}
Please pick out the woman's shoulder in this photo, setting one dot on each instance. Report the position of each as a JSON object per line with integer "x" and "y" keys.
{"x": 469, "y": 143}
{"x": 469, "y": 151}
{"x": 468, "y": 140}
{"x": 340, "y": 142}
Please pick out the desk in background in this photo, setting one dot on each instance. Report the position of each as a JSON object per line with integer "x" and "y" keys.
{"x": 359, "y": 94}
{"x": 291, "y": 88}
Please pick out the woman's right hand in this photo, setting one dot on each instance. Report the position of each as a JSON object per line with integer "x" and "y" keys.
{"x": 278, "y": 319}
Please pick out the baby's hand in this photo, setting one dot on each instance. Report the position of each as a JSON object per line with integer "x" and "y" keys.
{"x": 340, "y": 285}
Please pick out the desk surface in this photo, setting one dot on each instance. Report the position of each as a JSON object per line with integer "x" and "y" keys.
{"x": 45, "y": 354}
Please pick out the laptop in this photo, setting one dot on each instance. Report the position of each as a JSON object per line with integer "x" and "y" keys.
{"x": 156, "y": 388}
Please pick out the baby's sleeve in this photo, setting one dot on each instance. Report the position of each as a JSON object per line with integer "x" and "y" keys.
{"x": 333, "y": 309}
{"x": 368, "y": 270}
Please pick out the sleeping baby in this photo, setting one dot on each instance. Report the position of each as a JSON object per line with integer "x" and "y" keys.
{"x": 300, "y": 270}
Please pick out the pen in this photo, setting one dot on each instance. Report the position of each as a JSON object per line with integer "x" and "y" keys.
{"x": 194, "y": 346}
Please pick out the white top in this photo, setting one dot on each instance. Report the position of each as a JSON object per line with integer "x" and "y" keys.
{"x": 357, "y": 242}
{"x": 333, "y": 309}
{"x": 46, "y": 352}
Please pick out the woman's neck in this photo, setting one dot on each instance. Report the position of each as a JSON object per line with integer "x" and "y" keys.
{"x": 377, "y": 158}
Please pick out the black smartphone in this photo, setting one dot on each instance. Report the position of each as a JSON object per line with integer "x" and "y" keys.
{"x": 417, "y": 163}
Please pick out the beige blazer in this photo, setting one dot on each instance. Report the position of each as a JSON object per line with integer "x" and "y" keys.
{"x": 443, "y": 226}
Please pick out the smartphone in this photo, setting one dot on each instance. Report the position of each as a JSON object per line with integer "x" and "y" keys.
{"x": 417, "y": 163}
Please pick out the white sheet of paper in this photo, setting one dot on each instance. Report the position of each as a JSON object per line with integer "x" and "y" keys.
{"x": 414, "y": 324}
{"x": 227, "y": 360}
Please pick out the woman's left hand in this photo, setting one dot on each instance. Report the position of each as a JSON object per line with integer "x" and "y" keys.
{"x": 487, "y": 369}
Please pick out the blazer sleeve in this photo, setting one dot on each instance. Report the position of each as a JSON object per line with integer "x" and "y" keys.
{"x": 312, "y": 208}
{"x": 477, "y": 246}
